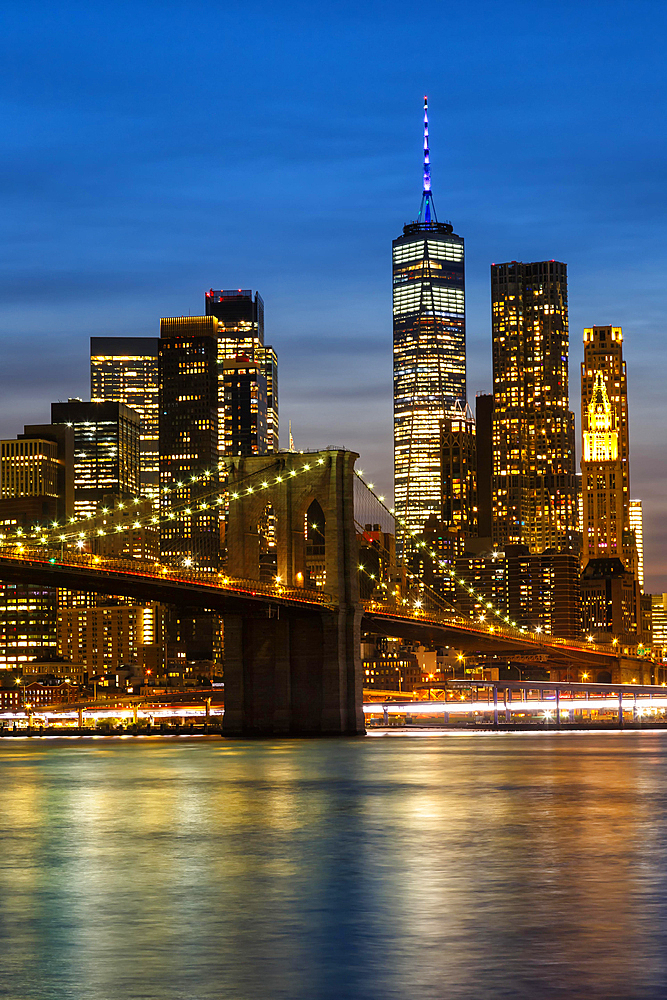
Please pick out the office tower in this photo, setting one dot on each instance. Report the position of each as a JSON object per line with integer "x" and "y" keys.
{"x": 459, "y": 472}
{"x": 429, "y": 352}
{"x": 37, "y": 476}
{"x": 106, "y": 450}
{"x": 534, "y": 485}
{"x": 240, "y": 318}
{"x": 188, "y": 377}
{"x": 636, "y": 521}
{"x": 27, "y": 624}
{"x": 609, "y": 600}
{"x": 484, "y": 439}
{"x": 245, "y": 411}
{"x": 125, "y": 370}
{"x": 36, "y": 487}
{"x": 602, "y": 477}
{"x": 603, "y": 367}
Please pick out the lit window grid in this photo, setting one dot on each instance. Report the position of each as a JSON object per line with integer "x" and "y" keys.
{"x": 133, "y": 380}
{"x": 28, "y": 468}
{"x": 429, "y": 369}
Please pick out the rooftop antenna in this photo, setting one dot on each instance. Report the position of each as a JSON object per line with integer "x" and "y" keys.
{"x": 427, "y": 211}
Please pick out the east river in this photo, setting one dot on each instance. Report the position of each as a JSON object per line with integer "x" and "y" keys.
{"x": 442, "y": 866}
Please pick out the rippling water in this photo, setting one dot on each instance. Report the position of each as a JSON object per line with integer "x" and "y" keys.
{"x": 481, "y": 865}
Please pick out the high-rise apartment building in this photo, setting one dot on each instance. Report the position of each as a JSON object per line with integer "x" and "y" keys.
{"x": 240, "y": 316}
{"x": 106, "y": 450}
{"x": 536, "y": 590}
{"x": 636, "y": 518}
{"x": 110, "y": 635}
{"x": 429, "y": 352}
{"x": 125, "y": 370}
{"x": 534, "y": 483}
{"x": 188, "y": 364}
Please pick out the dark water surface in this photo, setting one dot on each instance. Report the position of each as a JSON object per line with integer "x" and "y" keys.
{"x": 476, "y": 866}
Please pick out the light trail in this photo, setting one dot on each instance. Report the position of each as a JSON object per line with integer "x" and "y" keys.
{"x": 566, "y": 705}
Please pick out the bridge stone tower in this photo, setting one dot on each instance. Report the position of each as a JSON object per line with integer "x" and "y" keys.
{"x": 296, "y": 671}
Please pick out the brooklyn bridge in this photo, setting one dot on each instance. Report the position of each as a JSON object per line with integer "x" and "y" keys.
{"x": 292, "y": 653}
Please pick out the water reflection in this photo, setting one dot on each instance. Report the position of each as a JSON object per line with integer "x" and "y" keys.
{"x": 462, "y": 866}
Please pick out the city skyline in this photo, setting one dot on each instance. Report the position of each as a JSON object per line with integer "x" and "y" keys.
{"x": 114, "y": 269}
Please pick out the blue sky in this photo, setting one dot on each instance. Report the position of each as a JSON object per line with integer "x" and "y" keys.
{"x": 151, "y": 151}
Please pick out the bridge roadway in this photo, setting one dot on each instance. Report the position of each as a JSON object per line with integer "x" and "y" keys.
{"x": 443, "y": 629}
{"x": 183, "y": 587}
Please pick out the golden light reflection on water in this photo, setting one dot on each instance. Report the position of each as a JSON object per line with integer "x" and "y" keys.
{"x": 478, "y": 866}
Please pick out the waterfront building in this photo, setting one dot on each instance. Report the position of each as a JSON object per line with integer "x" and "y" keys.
{"x": 32, "y": 693}
{"x": 125, "y": 370}
{"x": 240, "y": 316}
{"x": 27, "y": 623}
{"x": 534, "y": 483}
{"x": 388, "y": 666}
{"x": 636, "y": 521}
{"x": 428, "y": 349}
{"x": 188, "y": 441}
{"x": 106, "y": 450}
{"x": 111, "y": 635}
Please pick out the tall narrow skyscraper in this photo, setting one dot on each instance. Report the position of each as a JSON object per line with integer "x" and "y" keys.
{"x": 534, "y": 482}
{"x": 188, "y": 401}
{"x": 429, "y": 351}
{"x": 603, "y": 362}
{"x": 637, "y": 525}
{"x": 240, "y": 318}
{"x": 125, "y": 370}
{"x": 602, "y": 477}
{"x": 610, "y": 582}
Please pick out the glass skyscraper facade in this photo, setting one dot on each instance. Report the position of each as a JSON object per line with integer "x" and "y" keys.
{"x": 125, "y": 370}
{"x": 429, "y": 352}
{"x": 190, "y": 530}
{"x": 240, "y": 316}
{"x": 106, "y": 450}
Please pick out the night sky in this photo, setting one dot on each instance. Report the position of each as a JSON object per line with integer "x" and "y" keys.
{"x": 151, "y": 151}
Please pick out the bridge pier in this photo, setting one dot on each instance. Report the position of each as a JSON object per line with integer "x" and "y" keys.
{"x": 293, "y": 676}
{"x": 295, "y": 671}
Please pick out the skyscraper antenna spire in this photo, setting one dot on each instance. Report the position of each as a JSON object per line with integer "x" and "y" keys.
{"x": 427, "y": 211}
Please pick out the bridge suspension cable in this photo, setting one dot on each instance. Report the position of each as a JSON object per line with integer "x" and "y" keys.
{"x": 76, "y": 529}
